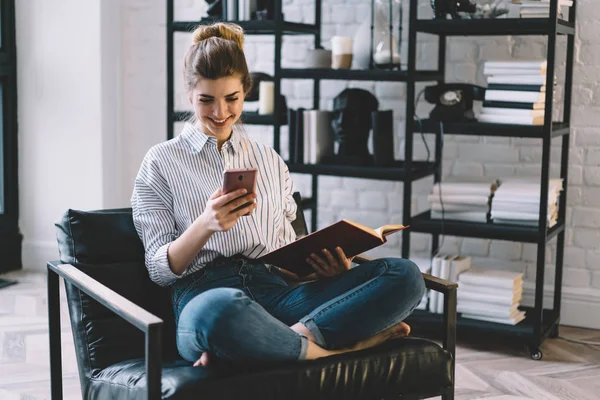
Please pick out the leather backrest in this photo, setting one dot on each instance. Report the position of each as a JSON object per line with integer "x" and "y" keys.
{"x": 105, "y": 245}
{"x": 299, "y": 224}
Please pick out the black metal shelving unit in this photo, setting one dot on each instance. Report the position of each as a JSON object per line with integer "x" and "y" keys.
{"x": 539, "y": 323}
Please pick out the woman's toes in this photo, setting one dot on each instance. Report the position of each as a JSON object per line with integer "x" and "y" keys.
{"x": 202, "y": 361}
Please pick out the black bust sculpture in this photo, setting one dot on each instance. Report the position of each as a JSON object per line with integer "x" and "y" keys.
{"x": 351, "y": 123}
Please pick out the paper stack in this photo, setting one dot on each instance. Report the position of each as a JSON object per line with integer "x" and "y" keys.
{"x": 449, "y": 268}
{"x": 463, "y": 201}
{"x": 517, "y": 201}
{"x": 516, "y": 92}
{"x": 491, "y": 295}
{"x": 541, "y": 8}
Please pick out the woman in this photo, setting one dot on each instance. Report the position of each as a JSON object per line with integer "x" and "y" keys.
{"x": 228, "y": 304}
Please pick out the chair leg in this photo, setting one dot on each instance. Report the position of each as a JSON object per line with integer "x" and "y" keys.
{"x": 449, "y": 394}
{"x": 56, "y": 388}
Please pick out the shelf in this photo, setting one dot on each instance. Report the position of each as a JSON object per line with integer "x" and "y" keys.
{"x": 518, "y": 233}
{"x": 419, "y": 170}
{"x": 424, "y": 320}
{"x": 488, "y": 129}
{"x": 359, "y": 74}
{"x": 489, "y": 27}
{"x": 253, "y": 27}
{"x": 250, "y": 118}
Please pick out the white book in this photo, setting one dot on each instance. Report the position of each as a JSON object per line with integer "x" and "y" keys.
{"x": 495, "y": 278}
{"x": 306, "y": 136}
{"x": 436, "y": 264}
{"x": 536, "y": 15}
{"x": 471, "y": 216}
{"x": 459, "y": 265}
{"x": 545, "y": 3}
{"x": 463, "y": 199}
{"x": 444, "y": 274}
{"x": 513, "y": 71}
{"x": 478, "y": 289}
{"x": 321, "y": 135}
{"x": 231, "y": 10}
{"x": 503, "y": 300}
{"x": 485, "y": 309}
{"x": 520, "y": 316}
{"x": 462, "y": 189}
{"x": 512, "y": 111}
{"x": 520, "y": 79}
{"x": 532, "y": 64}
{"x": 515, "y": 96}
{"x": 511, "y": 119}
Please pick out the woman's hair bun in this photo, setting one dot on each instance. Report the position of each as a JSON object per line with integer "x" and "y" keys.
{"x": 223, "y": 30}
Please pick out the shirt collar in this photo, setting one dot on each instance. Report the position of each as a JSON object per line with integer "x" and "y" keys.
{"x": 198, "y": 139}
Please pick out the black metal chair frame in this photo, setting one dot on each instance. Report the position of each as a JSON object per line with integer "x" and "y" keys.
{"x": 152, "y": 325}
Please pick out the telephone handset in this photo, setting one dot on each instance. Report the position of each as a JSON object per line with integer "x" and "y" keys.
{"x": 453, "y": 101}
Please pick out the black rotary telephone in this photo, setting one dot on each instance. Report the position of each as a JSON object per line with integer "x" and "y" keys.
{"x": 453, "y": 101}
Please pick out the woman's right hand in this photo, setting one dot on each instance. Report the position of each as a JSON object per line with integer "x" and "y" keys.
{"x": 221, "y": 212}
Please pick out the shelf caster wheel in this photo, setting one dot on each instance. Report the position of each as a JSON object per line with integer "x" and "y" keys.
{"x": 536, "y": 355}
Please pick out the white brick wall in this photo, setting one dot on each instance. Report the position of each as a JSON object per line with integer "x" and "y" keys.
{"x": 144, "y": 100}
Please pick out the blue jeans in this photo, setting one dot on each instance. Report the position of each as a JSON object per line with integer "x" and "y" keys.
{"x": 238, "y": 310}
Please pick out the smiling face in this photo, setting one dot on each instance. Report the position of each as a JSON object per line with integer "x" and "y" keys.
{"x": 218, "y": 105}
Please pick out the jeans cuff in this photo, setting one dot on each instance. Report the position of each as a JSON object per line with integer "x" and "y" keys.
{"x": 314, "y": 330}
{"x": 303, "y": 347}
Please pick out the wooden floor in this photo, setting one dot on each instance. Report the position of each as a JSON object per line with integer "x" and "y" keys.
{"x": 486, "y": 369}
{"x": 567, "y": 370}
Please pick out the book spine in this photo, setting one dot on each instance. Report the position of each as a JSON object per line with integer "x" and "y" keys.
{"x": 511, "y": 119}
{"x": 514, "y": 96}
{"x": 511, "y": 104}
{"x": 517, "y": 79}
{"x": 512, "y": 111}
{"x": 516, "y": 87}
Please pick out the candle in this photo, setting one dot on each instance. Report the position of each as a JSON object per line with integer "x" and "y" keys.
{"x": 266, "y": 95}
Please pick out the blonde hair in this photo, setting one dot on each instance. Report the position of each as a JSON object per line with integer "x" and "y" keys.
{"x": 217, "y": 51}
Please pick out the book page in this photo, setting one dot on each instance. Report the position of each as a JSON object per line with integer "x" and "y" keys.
{"x": 386, "y": 230}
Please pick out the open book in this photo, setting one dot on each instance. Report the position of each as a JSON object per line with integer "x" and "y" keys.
{"x": 352, "y": 237}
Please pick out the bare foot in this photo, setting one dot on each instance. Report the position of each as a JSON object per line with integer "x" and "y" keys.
{"x": 202, "y": 361}
{"x": 401, "y": 329}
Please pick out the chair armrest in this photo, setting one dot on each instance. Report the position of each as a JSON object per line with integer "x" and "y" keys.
{"x": 439, "y": 285}
{"x": 448, "y": 289}
{"x": 148, "y": 323}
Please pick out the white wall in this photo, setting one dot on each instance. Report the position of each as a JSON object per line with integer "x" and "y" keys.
{"x": 68, "y": 100}
{"x": 107, "y": 134}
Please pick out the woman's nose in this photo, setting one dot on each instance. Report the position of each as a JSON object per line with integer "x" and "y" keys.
{"x": 220, "y": 110}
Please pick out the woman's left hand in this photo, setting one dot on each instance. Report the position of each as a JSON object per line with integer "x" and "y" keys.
{"x": 327, "y": 264}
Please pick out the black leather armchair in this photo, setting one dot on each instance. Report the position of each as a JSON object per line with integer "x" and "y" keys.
{"x": 124, "y": 334}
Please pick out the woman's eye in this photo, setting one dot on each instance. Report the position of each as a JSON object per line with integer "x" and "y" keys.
{"x": 231, "y": 99}
{"x": 205, "y": 101}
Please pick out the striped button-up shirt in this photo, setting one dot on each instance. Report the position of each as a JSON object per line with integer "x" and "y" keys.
{"x": 177, "y": 178}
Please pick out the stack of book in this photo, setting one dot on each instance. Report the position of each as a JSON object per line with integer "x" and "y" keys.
{"x": 449, "y": 267}
{"x": 517, "y": 201}
{"x": 516, "y": 92}
{"x": 490, "y": 295}
{"x": 462, "y": 201}
{"x": 541, "y": 8}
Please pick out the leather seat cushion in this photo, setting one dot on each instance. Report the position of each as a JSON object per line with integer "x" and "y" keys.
{"x": 406, "y": 366}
